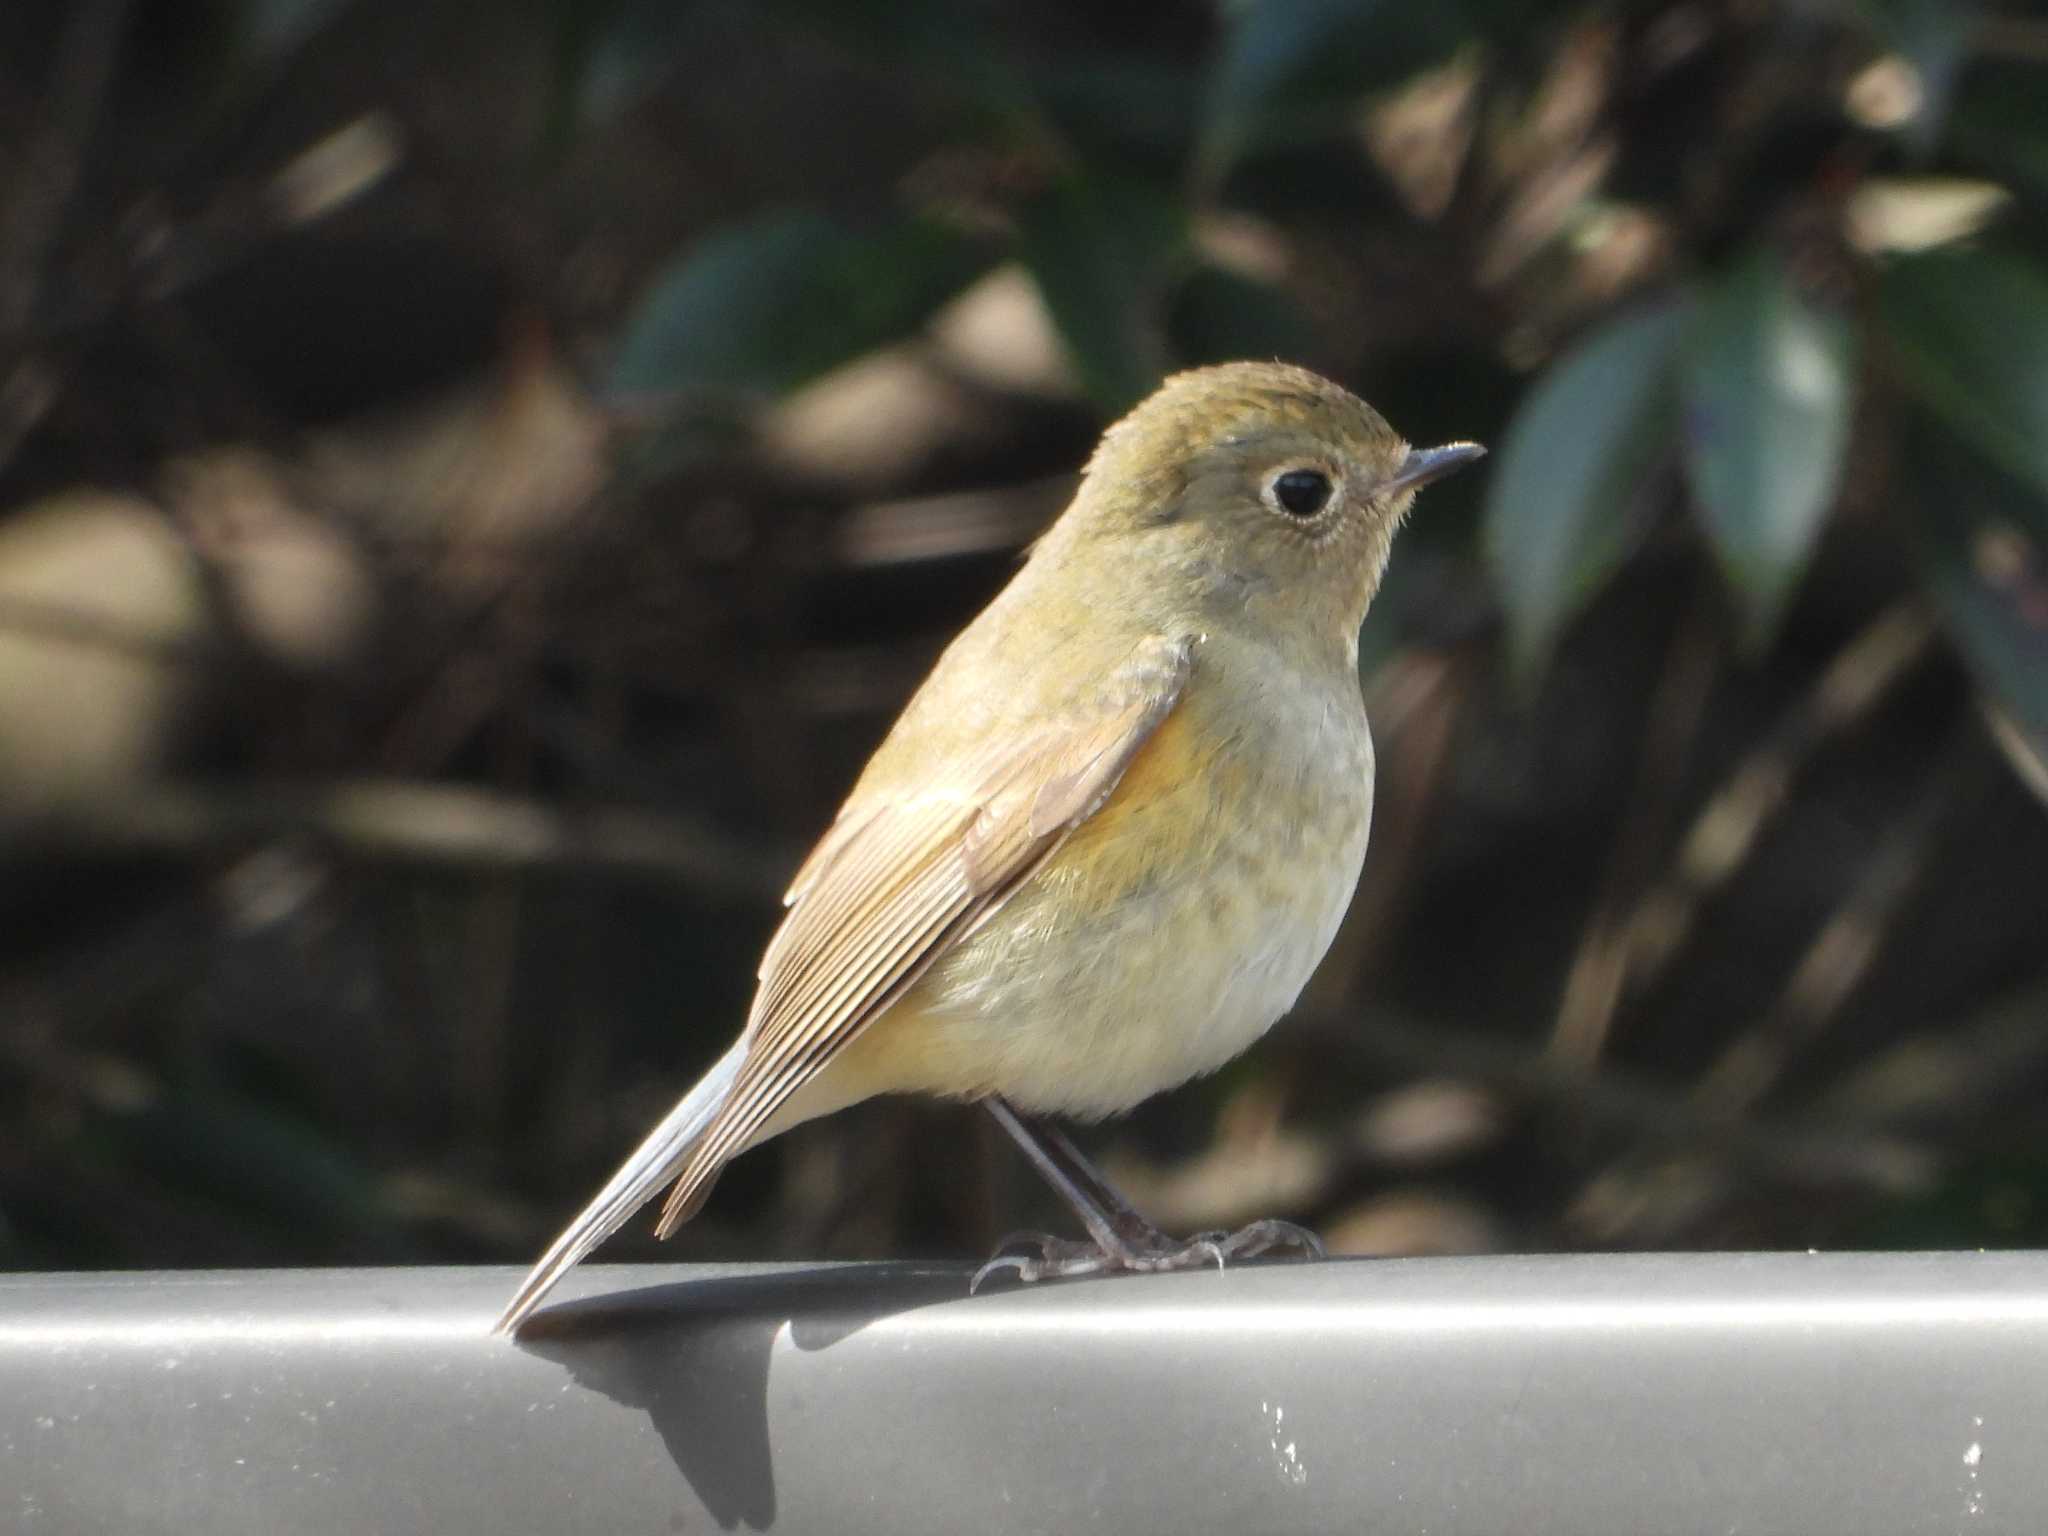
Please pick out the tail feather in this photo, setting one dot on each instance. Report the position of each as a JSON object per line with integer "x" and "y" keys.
{"x": 653, "y": 1164}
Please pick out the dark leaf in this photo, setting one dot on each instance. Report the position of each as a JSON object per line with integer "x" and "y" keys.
{"x": 1572, "y": 465}
{"x": 1998, "y": 120}
{"x": 1970, "y": 331}
{"x": 1290, "y": 68}
{"x": 946, "y": 47}
{"x": 1106, "y": 253}
{"x": 617, "y": 52}
{"x": 272, "y": 29}
{"x": 1768, "y": 388}
{"x": 1982, "y": 540}
{"x": 773, "y": 303}
{"x": 1134, "y": 108}
{"x": 239, "y": 1150}
{"x": 1220, "y": 317}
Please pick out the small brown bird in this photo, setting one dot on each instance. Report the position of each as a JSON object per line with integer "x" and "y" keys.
{"x": 1110, "y": 837}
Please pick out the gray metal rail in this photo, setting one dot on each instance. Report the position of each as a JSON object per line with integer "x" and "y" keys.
{"x": 1863, "y": 1394}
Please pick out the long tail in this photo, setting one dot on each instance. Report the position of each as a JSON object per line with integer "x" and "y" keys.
{"x": 643, "y": 1175}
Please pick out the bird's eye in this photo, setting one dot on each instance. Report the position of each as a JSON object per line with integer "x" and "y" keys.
{"x": 1301, "y": 492}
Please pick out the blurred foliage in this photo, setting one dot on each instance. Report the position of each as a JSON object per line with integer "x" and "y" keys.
{"x": 474, "y": 480}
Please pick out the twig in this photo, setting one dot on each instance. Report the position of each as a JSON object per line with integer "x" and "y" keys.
{"x": 48, "y": 173}
{"x": 402, "y": 822}
{"x": 1785, "y": 1152}
{"x": 50, "y": 163}
{"x": 1416, "y": 700}
{"x": 1593, "y": 986}
{"x": 1949, "y": 1070}
{"x": 1728, "y": 825}
{"x": 940, "y": 527}
{"x": 1843, "y": 951}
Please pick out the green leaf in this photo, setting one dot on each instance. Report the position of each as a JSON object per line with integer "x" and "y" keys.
{"x": 1768, "y": 386}
{"x": 1106, "y": 253}
{"x": 1982, "y": 540}
{"x": 1969, "y": 328}
{"x": 1292, "y": 68}
{"x": 773, "y": 303}
{"x": 1572, "y": 466}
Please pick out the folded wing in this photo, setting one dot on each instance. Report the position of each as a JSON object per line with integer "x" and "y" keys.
{"x": 902, "y": 877}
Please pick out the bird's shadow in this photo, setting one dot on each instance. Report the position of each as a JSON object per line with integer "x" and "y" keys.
{"x": 694, "y": 1356}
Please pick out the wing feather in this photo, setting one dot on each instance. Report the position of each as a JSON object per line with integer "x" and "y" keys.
{"x": 900, "y": 878}
{"x": 813, "y": 936}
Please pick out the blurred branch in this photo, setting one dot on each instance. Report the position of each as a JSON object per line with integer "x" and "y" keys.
{"x": 47, "y": 171}
{"x": 1786, "y": 1152}
{"x": 2023, "y": 754}
{"x": 401, "y": 822}
{"x": 326, "y": 175}
{"x": 1838, "y": 960}
{"x": 941, "y": 527}
{"x": 1848, "y": 944}
{"x": 48, "y": 166}
{"x": 1727, "y": 827}
{"x": 1415, "y": 699}
{"x": 1593, "y": 987}
{"x": 1951, "y": 1070}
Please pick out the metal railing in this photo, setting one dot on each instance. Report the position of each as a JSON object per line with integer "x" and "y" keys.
{"x": 1863, "y": 1394}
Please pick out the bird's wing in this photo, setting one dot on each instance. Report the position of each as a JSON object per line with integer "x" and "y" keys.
{"x": 902, "y": 877}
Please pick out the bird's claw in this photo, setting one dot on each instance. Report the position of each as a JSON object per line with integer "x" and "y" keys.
{"x": 1263, "y": 1237}
{"x": 1051, "y": 1258}
{"x": 1058, "y": 1258}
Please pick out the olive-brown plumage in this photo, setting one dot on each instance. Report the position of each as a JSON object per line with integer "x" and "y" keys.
{"x": 1114, "y": 831}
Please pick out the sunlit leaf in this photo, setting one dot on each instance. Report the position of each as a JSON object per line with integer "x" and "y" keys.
{"x": 1969, "y": 328}
{"x": 770, "y": 304}
{"x": 1290, "y": 67}
{"x": 1768, "y": 387}
{"x": 1982, "y": 540}
{"x": 1106, "y": 253}
{"x": 1571, "y": 469}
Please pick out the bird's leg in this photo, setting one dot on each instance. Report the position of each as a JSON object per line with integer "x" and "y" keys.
{"x": 1122, "y": 1238}
{"x": 1111, "y": 1220}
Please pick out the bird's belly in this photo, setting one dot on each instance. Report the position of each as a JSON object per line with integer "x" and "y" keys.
{"x": 1163, "y": 938}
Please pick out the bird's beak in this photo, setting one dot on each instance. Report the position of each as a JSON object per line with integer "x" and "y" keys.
{"x": 1426, "y": 464}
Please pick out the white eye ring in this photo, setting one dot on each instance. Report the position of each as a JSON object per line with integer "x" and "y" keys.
{"x": 1300, "y": 492}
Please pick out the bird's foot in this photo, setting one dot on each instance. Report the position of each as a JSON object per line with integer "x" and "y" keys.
{"x": 1030, "y": 1256}
{"x": 1033, "y": 1256}
{"x": 1263, "y": 1237}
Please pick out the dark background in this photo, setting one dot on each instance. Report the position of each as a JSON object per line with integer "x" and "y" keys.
{"x": 475, "y": 480}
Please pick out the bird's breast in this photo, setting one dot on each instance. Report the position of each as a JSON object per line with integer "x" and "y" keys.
{"x": 1172, "y": 927}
